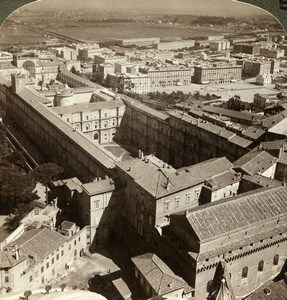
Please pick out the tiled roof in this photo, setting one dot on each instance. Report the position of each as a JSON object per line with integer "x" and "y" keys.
{"x": 83, "y": 107}
{"x": 153, "y": 112}
{"x": 278, "y": 291}
{"x": 253, "y": 133}
{"x": 224, "y": 216}
{"x": 158, "y": 274}
{"x": 280, "y": 127}
{"x": 39, "y": 242}
{"x": 231, "y": 113}
{"x": 65, "y": 225}
{"x": 81, "y": 79}
{"x": 271, "y": 121}
{"x": 273, "y": 145}
{"x": 99, "y": 187}
{"x": 96, "y": 151}
{"x": 240, "y": 141}
{"x": 162, "y": 181}
{"x": 8, "y": 259}
{"x": 222, "y": 180}
{"x": 262, "y": 181}
{"x": 255, "y": 162}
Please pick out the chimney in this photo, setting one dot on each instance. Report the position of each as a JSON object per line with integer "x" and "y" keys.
{"x": 168, "y": 183}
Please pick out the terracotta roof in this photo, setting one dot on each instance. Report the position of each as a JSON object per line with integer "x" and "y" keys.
{"x": 219, "y": 181}
{"x": 99, "y": 187}
{"x": 8, "y": 259}
{"x": 81, "y": 79}
{"x": 271, "y": 290}
{"x": 223, "y": 216}
{"x": 271, "y": 121}
{"x": 262, "y": 181}
{"x": 162, "y": 181}
{"x": 158, "y": 274}
{"x": 39, "y": 242}
{"x": 255, "y": 162}
{"x": 65, "y": 225}
{"x": 231, "y": 113}
{"x": 253, "y": 133}
{"x": 273, "y": 145}
{"x": 132, "y": 102}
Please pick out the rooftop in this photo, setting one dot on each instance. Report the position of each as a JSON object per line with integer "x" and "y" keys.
{"x": 39, "y": 242}
{"x": 158, "y": 274}
{"x": 99, "y": 187}
{"x": 232, "y": 113}
{"x": 228, "y": 215}
{"x": 86, "y": 107}
{"x": 163, "y": 180}
{"x": 222, "y": 180}
{"x": 96, "y": 151}
{"x": 255, "y": 162}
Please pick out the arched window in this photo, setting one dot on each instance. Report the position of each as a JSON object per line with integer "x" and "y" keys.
{"x": 261, "y": 266}
{"x": 244, "y": 272}
{"x": 96, "y": 136}
{"x": 276, "y": 259}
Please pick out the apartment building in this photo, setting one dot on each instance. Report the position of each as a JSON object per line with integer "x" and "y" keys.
{"x": 168, "y": 76}
{"x": 217, "y": 74}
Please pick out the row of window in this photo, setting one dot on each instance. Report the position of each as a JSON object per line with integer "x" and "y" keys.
{"x": 260, "y": 266}
{"x": 177, "y": 200}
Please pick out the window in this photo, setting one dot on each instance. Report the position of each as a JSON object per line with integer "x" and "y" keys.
{"x": 75, "y": 242}
{"x": 97, "y": 204}
{"x": 244, "y": 272}
{"x": 176, "y": 203}
{"x": 31, "y": 278}
{"x": 47, "y": 265}
{"x": 79, "y": 238}
{"x": 57, "y": 257}
{"x": 42, "y": 269}
{"x": 188, "y": 197}
{"x": 276, "y": 259}
{"x": 87, "y": 127}
{"x": 261, "y": 266}
{"x": 196, "y": 194}
{"x": 6, "y": 278}
{"x": 166, "y": 205}
{"x": 53, "y": 260}
{"x": 62, "y": 253}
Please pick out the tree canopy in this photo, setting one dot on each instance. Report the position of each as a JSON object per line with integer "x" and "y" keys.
{"x": 47, "y": 172}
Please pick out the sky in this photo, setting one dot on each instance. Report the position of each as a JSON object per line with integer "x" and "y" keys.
{"x": 209, "y": 7}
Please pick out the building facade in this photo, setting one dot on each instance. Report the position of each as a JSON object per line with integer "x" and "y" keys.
{"x": 219, "y": 74}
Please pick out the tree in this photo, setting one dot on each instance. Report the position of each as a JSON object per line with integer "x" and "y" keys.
{"x": 45, "y": 173}
{"x": 16, "y": 187}
{"x": 19, "y": 212}
{"x": 74, "y": 287}
{"x": 27, "y": 294}
{"x": 48, "y": 288}
{"x": 63, "y": 286}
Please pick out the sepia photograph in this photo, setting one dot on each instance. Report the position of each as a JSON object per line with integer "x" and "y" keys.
{"x": 143, "y": 151}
